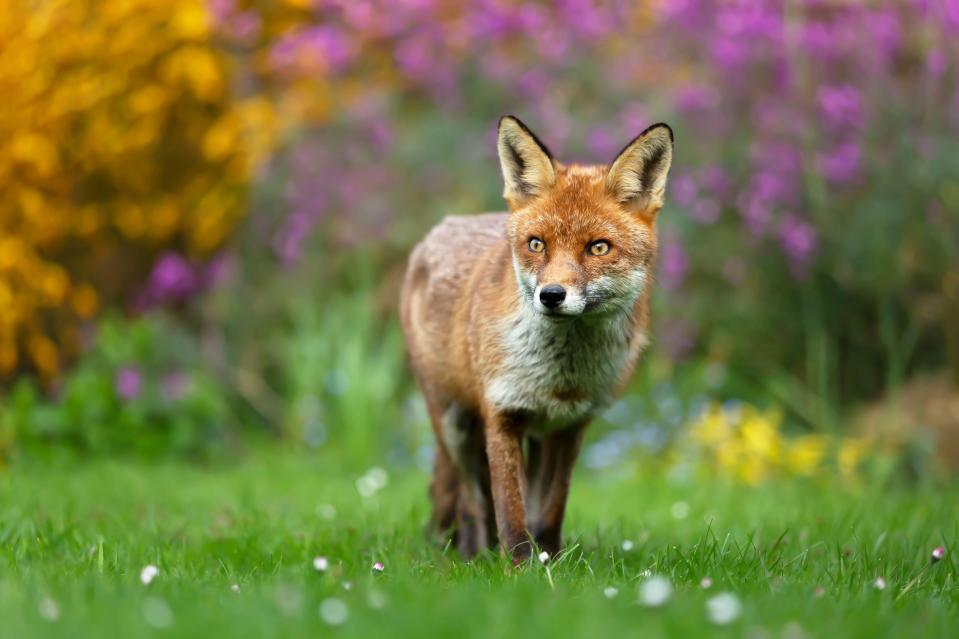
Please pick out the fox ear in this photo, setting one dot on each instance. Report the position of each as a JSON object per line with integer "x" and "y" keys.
{"x": 637, "y": 177}
{"x": 526, "y": 162}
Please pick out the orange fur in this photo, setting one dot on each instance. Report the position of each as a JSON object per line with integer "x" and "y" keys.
{"x": 497, "y": 366}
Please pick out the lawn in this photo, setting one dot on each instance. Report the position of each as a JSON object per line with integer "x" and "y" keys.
{"x": 234, "y": 548}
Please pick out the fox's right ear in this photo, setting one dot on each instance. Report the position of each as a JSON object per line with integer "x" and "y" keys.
{"x": 526, "y": 162}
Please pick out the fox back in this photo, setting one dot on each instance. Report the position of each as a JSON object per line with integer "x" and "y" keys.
{"x": 534, "y": 318}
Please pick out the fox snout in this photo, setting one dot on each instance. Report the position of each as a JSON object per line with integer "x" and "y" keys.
{"x": 559, "y": 299}
{"x": 552, "y": 295}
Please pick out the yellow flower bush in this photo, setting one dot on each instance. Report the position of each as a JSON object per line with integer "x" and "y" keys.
{"x": 120, "y": 137}
{"x": 747, "y": 444}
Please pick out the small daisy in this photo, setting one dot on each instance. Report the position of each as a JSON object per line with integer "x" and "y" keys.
{"x": 628, "y": 545}
{"x": 148, "y": 574}
{"x": 543, "y": 557}
{"x": 938, "y": 553}
{"x": 378, "y": 566}
{"x": 705, "y": 583}
{"x": 724, "y": 608}
{"x": 49, "y": 609}
{"x": 334, "y": 611}
{"x": 655, "y": 591}
{"x": 879, "y": 584}
{"x": 235, "y": 588}
{"x": 610, "y": 592}
{"x": 321, "y": 563}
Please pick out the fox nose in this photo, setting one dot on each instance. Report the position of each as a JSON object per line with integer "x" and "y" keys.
{"x": 552, "y": 295}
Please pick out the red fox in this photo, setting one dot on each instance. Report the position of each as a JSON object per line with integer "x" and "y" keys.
{"x": 522, "y": 326}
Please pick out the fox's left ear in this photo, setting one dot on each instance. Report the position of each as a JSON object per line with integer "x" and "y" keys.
{"x": 637, "y": 177}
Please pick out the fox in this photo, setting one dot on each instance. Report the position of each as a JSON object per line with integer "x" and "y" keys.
{"x": 521, "y": 326}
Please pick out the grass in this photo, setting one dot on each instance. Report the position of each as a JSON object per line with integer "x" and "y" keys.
{"x": 74, "y": 539}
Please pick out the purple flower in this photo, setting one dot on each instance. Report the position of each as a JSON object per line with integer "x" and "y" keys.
{"x": 683, "y": 189}
{"x": 245, "y": 26}
{"x": 221, "y": 9}
{"x": 325, "y": 46}
{"x": 128, "y": 383}
{"x": 674, "y": 264}
{"x": 696, "y": 98}
{"x": 601, "y": 142}
{"x": 798, "y": 239}
{"x": 172, "y": 279}
{"x": 289, "y": 241}
{"x": 936, "y": 63}
{"x": 886, "y": 30}
{"x": 841, "y": 107}
{"x": 841, "y": 164}
{"x": 715, "y": 180}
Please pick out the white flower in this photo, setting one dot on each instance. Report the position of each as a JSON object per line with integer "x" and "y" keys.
{"x": 157, "y": 613}
{"x": 48, "y": 608}
{"x": 148, "y": 574}
{"x": 628, "y": 545}
{"x": 334, "y": 611}
{"x": 705, "y": 583}
{"x": 235, "y": 588}
{"x": 321, "y": 563}
{"x": 347, "y": 585}
{"x": 373, "y": 481}
{"x": 724, "y": 608}
{"x": 543, "y": 557}
{"x": 610, "y": 591}
{"x": 378, "y": 566}
{"x": 655, "y": 591}
{"x": 880, "y": 583}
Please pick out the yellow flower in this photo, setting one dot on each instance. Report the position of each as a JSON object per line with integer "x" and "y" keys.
{"x": 804, "y": 454}
{"x": 760, "y": 435}
{"x": 712, "y": 427}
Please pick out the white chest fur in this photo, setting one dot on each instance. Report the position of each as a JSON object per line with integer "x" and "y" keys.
{"x": 559, "y": 371}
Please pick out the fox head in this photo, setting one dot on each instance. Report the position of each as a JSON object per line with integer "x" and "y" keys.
{"x": 583, "y": 237}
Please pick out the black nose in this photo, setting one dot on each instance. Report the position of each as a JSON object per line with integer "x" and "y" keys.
{"x": 552, "y": 295}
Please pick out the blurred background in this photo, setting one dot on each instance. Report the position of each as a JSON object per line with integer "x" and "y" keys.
{"x": 206, "y": 208}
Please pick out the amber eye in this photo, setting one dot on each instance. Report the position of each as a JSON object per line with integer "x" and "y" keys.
{"x": 536, "y": 245}
{"x": 599, "y": 248}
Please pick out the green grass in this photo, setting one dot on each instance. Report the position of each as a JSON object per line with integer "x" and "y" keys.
{"x": 75, "y": 539}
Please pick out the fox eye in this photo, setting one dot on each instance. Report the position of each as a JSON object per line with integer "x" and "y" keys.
{"x": 536, "y": 245}
{"x": 600, "y": 247}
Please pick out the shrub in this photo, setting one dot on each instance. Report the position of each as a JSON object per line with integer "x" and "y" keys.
{"x": 140, "y": 390}
{"x": 120, "y": 139}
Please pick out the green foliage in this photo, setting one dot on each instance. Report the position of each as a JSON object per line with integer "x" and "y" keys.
{"x": 138, "y": 391}
{"x": 343, "y": 368}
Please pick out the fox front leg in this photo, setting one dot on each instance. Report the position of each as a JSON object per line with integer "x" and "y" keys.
{"x": 549, "y": 480}
{"x": 504, "y": 450}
